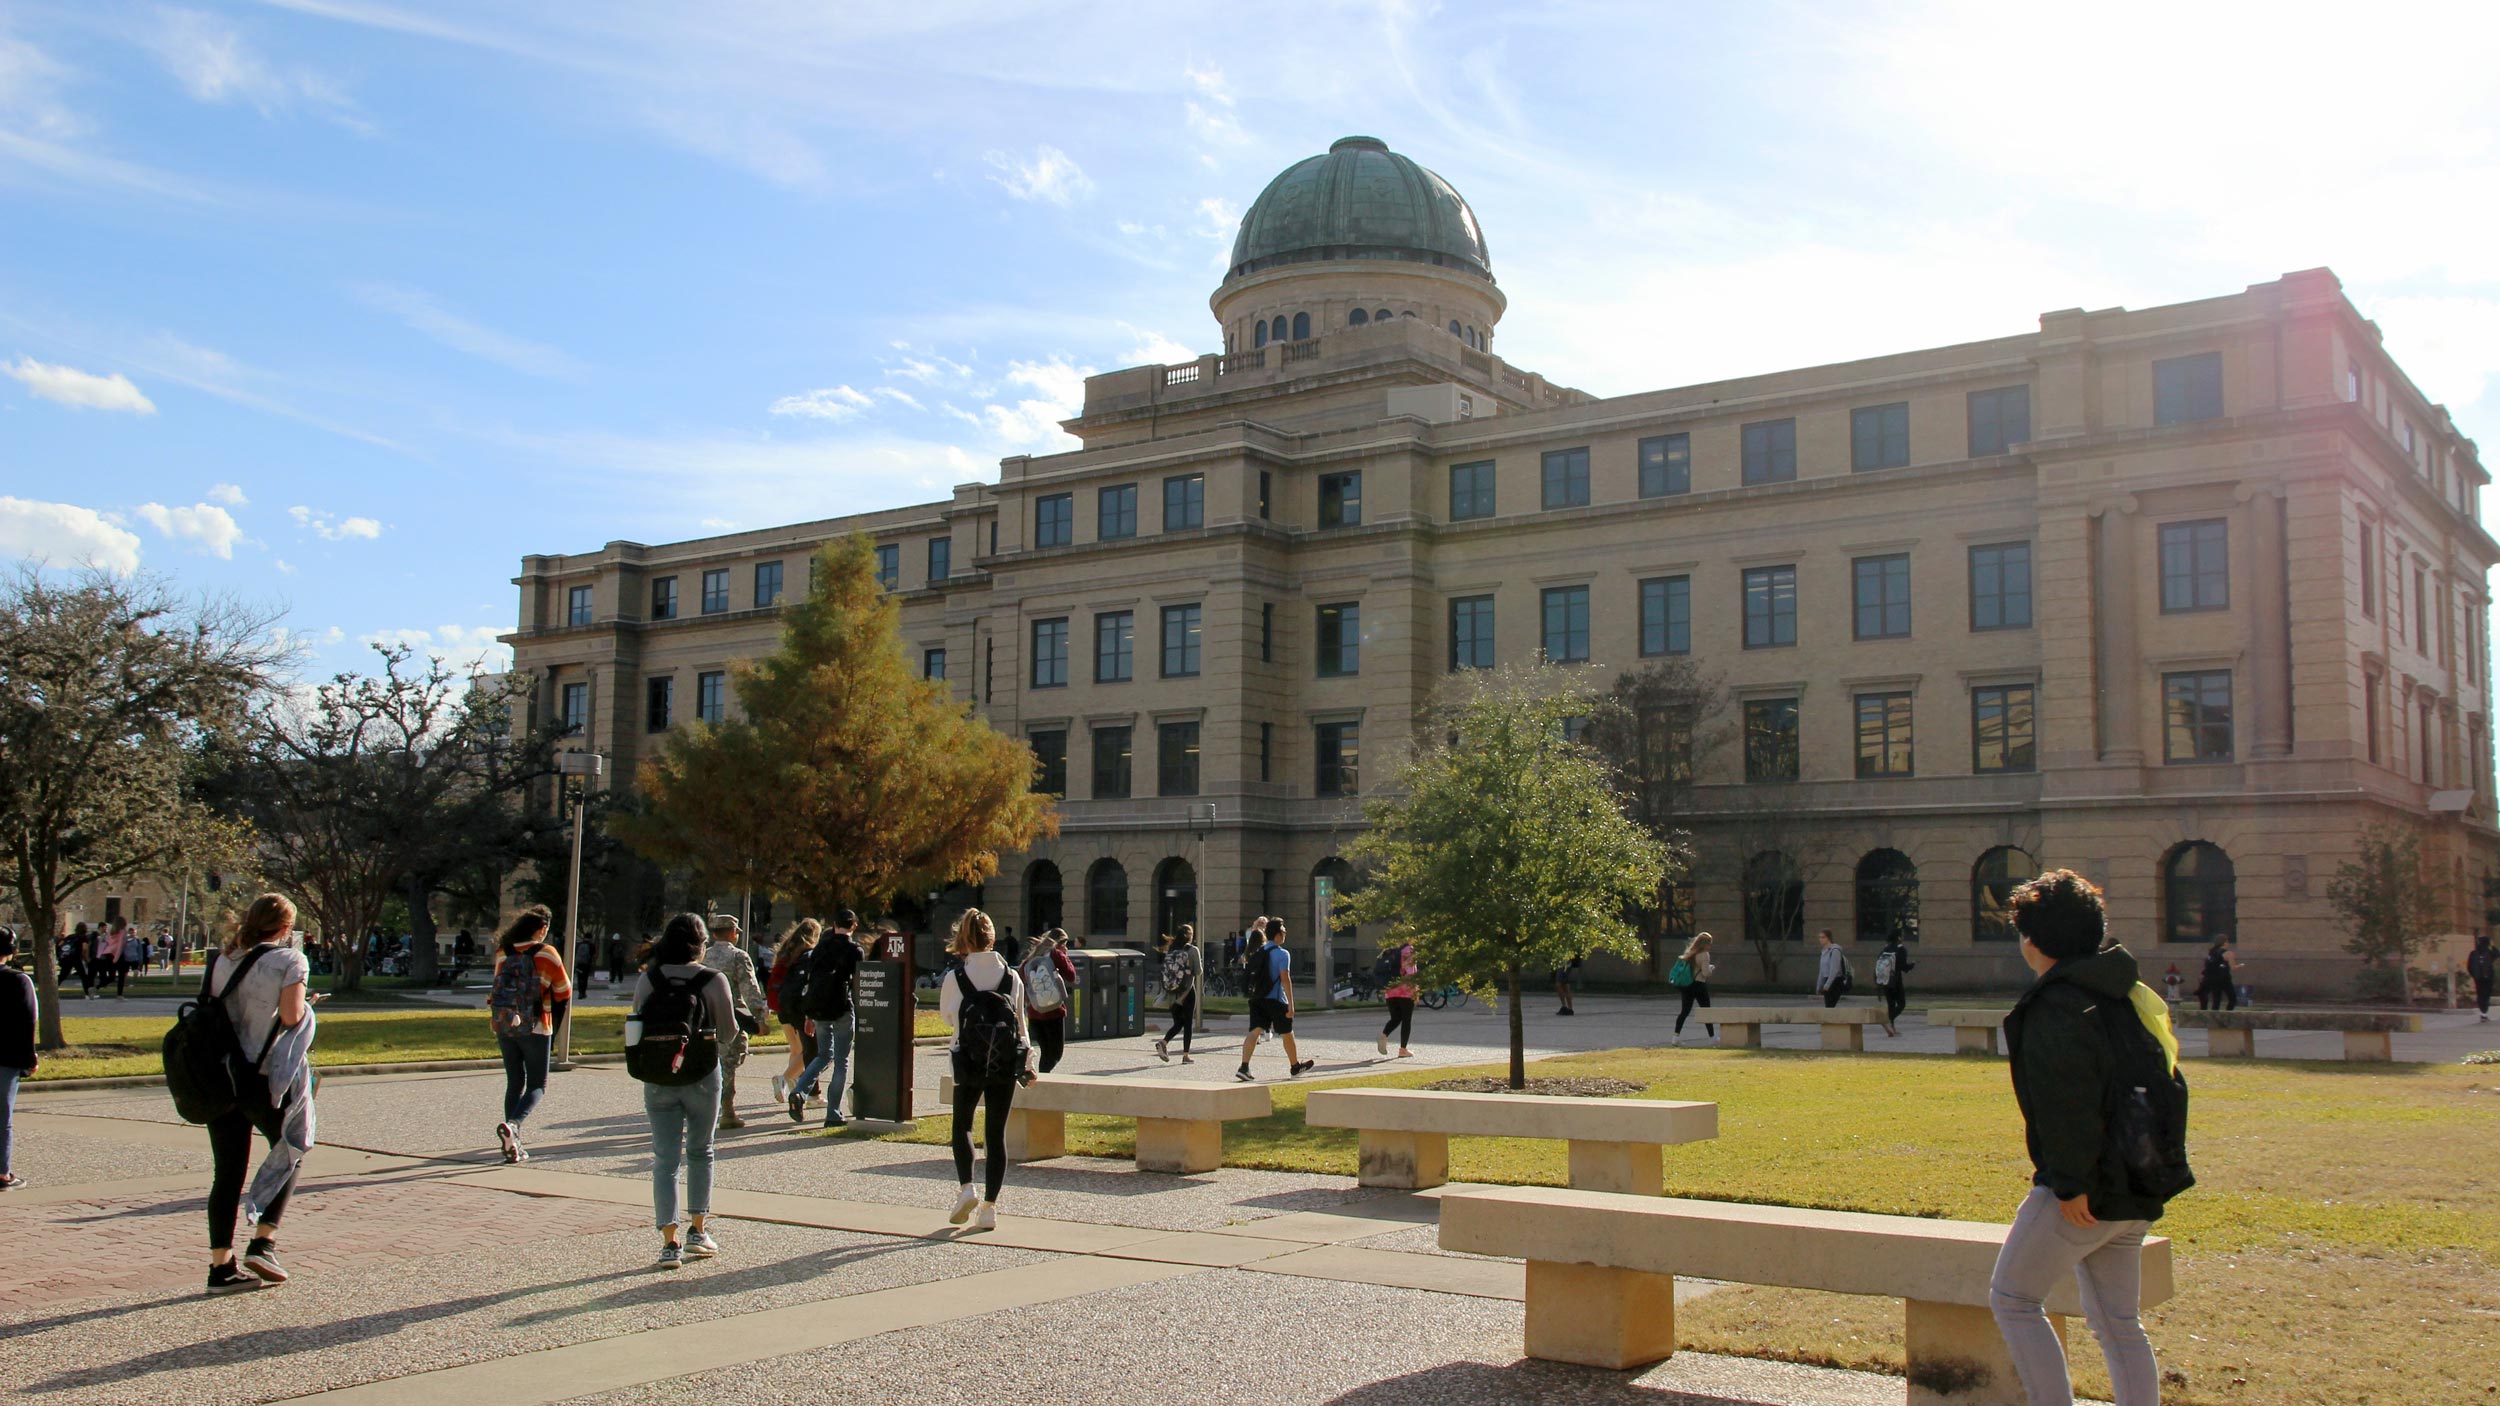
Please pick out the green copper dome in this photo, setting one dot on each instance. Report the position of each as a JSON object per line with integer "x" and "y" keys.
{"x": 1360, "y": 201}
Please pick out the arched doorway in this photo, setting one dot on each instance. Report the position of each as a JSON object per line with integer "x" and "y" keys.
{"x": 1887, "y": 897}
{"x": 1176, "y": 896}
{"x": 1992, "y": 883}
{"x": 2200, "y": 894}
{"x": 1043, "y": 903}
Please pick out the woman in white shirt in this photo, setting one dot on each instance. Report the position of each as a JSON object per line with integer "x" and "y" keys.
{"x": 983, "y": 1001}
{"x": 1697, "y": 969}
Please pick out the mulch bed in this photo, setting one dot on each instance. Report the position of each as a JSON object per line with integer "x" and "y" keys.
{"x": 1584, "y": 1087}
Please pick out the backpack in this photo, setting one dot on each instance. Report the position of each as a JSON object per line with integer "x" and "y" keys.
{"x": 1883, "y": 967}
{"x": 1847, "y": 981}
{"x": 204, "y": 1065}
{"x": 2478, "y": 964}
{"x": 1249, "y": 968}
{"x": 2144, "y": 1120}
{"x": 1681, "y": 974}
{"x": 512, "y": 1008}
{"x": 1044, "y": 992}
{"x": 989, "y": 1050}
{"x": 1176, "y": 972}
{"x": 677, "y": 1045}
{"x": 1390, "y": 967}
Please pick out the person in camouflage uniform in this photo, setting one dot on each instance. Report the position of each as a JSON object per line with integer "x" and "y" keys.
{"x": 728, "y": 956}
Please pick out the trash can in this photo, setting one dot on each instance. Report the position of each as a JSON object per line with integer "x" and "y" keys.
{"x": 1128, "y": 1007}
{"x": 1094, "y": 995}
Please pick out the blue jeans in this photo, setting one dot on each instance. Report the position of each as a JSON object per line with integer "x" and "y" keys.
{"x": 2107, "y": 1262}
{"x": 833, "y": 1051}
{"x": 524, "y": 1073}
{"x": 8, "y": 1114}
{"x": 684, "y": 1118}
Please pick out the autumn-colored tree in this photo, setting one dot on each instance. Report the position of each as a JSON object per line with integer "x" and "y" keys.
{"x": 844, "y": 778}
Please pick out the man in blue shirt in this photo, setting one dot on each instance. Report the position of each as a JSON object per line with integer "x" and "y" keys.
{"x": 1271, "y": 1003}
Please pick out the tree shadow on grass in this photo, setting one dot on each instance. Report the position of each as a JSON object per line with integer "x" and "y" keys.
{"x": 1525, "y": 1380}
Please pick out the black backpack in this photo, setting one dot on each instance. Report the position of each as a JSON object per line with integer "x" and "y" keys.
{"x": 678, "y": 1044}
{"x": 204, "y": 1064}
{"x": 1388, "y": 967}
{"x": 2478, "y": 964}
{"x": 989, "y": 1050}
{"x": 2145, "y": 1112}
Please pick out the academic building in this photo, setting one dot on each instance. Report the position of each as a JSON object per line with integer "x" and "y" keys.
{"x": 2183, "y": 598}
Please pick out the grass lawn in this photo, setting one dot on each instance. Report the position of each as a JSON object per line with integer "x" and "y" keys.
{"x": 2343, "y": 1246}
{"x": 122, "y": 1045}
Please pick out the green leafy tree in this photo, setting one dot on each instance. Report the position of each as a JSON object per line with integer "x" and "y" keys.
{"x": 844, "y": 778}
{"x": 1506, "y": 849}
{"x": 2386, "y": 900}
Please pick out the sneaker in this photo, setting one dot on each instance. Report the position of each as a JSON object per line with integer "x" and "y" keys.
{"x": 700, "y": 1245}
{"x": 510, "y": 1140}
{"x": 781, "y": 1087}
{"x": 229, "y": 1278}
{"x": 1305, "y": 1067}
{"x": 1243, "y": 1074}
{"x": 987, "y": 1217}
{"x": 797, "y": 1100}
{"x": 728, "y": 1123}
{"x": 1162, "y": 1053}
{"x": 261, "y": 1258}
{"x": 834, "y": 1120}
{"x": 671, "y": 1257}
{"x": 965, "y": 1201}
{"x": 1382, "y": 1043}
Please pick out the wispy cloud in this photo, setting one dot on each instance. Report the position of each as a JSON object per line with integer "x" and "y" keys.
{"x": 79, "y": 390}
{"x": 829, "y": 403}
{"x": 330, "y": 527}
{"x": 423, "y": 313}
{"x": 65, "y": 534}
{"x": 214, "y": 63}
{"x": 1051, "y": 175}
{"x": 211, "y": 527}
{"x": 228, "y": 494}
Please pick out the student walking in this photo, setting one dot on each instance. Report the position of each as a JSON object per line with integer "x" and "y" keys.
{"x": 1271, "y": 1004}
{"x": 786, "y": 988}
{"x": 673, "y": 1042}
{"x": 1184, "y": 973}
{"x": 1398, "y": 965}
{"x": 728, "y": 956}
{"x": 1832, "y": 978}
{"x": 982, "y": 1001}
{"x": 1564, "y": 976}
{"x": 2215, "y": 988}
{"x": 1048, "y": 976}
{"x": 75, "y": 953}
{"x": 2085, "y": 1025}
{"x": 1891, "y": 966}
{"x": 108, "y": 955}
{"x": 1691, "y": 974}
{"x": 259, "y": 976}
{"x": 2479, "y": 965}
{"x": 17, "y": 1047}
{"x": 532, "y": 995}
{"x": 832, "y": 971}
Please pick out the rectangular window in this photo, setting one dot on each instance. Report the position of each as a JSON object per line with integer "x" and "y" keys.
{"x": 1050, "y": 653}
{"x": 1575, "y": 728}
{"x": 1567, "y": 479}
{"x": 1770, "y": 606}
{"x": 2187, "y": 389}
{"x": 711, "y": 696}
{"x": 1471, "y": 633}
{"x": 1341, "y": 500}
{"x": 2421, "y": 612}
{"x": 1770, "y": 739}
{"x": 2195, "y": 566}
{"x": 1770, "y": 451}
{"x": 1050, "y": 761}
{"x": 1267, "y": 632}
{"x": 2370, "y": 686}
{"x": 2001, "y": 729}
{"x": 933, "y": 664}
{"x": 2422, "y": 733}
{"x": 889, "y": 565}
{"x": 1883, "y": 735}
{"x": 767, "y": 584}
{"x": 1115, "y": 646}
{"x": 1116, "y": 513}
{"x": 1266, "y": 482}
{"x": 1180, "y": 641}
{"x": 2196, "y": 716}
{"x": 1666, "y": 465}
{"x": 1111, "y": 763}
{"x": 941, "y": 559}
{"x": 1879, "y": 437}
{"x": 1667, "y": 615}
{"x": 2000, "y": 586}
{"x": 1471, "y": 491}
{"x": 664, "y": 598}
{"x": 1999, "y": 420}
{"x": 1054, "y": 520}
{"x": 1340, "y": 640}
{"x": 576, "y": 707}
{"x": 1176, "y": 759}
{"x": 1665, "y": 740}
{"x": 716, "y": 591}
{"x": 659, "y": 695}
{"x": 1567, "y": 624}
{"x": 1880, "y": 591}
{"x": 1184, "y": 502}
{"x": 577, "y": 606}
{"x": 2352, "y": 381}
{"x": 1267, "y": 750}
{"x": 1340, "y": 750}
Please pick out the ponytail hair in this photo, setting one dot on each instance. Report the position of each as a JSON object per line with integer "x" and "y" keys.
{"x": 973, "y": 933}
{"x": 269, "y": 915}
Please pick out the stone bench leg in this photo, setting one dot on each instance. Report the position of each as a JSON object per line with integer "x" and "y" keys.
{"x": 1845, "y": 1037}
{"x": 1034, "y": 1136}
{"x": 1404, "y": 1161}
{"x": 1739, "y": 1037}
{"x": 1616, "y": 1319}
{"x": 2231, "y": 1044}
{"x": 1975, "y": 1039}
{"x": 2377, "y": 1046}
{"x": 1179, "y": 1145}
{"x": 1957, "y": 1357}
{"x": 1625, "y": 1168}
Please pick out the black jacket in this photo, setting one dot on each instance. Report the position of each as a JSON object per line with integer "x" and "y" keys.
{"x": 830, "y": 965}
{"x": 2061, "y": 1062}
{"x": 17, "y": 1020}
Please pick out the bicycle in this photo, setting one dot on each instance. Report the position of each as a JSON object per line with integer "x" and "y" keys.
{"x": 1444, "y": 996}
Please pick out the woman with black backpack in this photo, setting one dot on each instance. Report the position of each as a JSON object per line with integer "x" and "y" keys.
{"x": 672, "y": 1044}
{"x": 259, "y": 977}
{"x": 983, "y": 1001}
{"x": 531, "y": 997}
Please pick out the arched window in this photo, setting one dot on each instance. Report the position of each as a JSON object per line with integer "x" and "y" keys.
{"x": 2200, "y": 894}
{"x": 1106, "y": 899}
{"x": 1775, "y": 899}
{"x": 1176, "y": 895}
{"x": 1357, "y": 318}
{"x": 1410, "y": 312}
{"x": 1382, "y": 314}
{"x": 1992, "y": 883}
{"x": 1301, "y": 326}
{"x": 1457, "y": 330}
{"x": 1887, "y": 897}
{"x": 1258, "y": 334}
{"x": 1042, "y": 907}
{"x": 1276, "y": 328}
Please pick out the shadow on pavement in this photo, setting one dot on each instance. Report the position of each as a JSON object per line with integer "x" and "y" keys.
{"x": 1525, "y": 1380}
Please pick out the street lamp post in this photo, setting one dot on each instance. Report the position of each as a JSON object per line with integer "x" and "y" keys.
{"x": 1201, "y": 825}
{"x": 585, "y": 766}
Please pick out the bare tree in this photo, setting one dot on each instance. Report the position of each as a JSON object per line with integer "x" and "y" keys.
{"x": 1659, "y": 729}
{"x": 1763, "y": 846}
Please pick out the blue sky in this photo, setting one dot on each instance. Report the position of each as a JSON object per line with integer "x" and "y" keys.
{"x": 345, "y": 305}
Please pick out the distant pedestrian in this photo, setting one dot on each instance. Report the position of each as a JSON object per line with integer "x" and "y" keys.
{"x": 1892, "y": 967}
{"x": 832, "y": 973}
{"x": 1832, "y": 978}
{"x": 259, "y": 976}
{"x": 2216, "y": 987}
{"x": 2479, "y": 965}
{"x": 982, "y": 1001}
{"x": 74, "y": 953}
{"x": 616, "y": 959}
{"x": 1271, "y": 1004}
{"x": 1565, "y": 975}
{"x": 728, "y": 956}
{"x": 1009, "y": 947}
{"x": 17, "y": 1047}
{"x": 1691, "y": 974}
{"x": 109, "y": 954}
{"x": 673, "y": 1038}
{"x": 532, "y": 995}
{"x": 1184, "y": 973}
{"x": 1398, "y": 965}
{"x": 1049, "y": 978}
{"x": 785, "y": 986}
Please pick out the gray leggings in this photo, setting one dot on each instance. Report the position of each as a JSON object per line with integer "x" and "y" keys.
{"x": 2106, "y": 1260}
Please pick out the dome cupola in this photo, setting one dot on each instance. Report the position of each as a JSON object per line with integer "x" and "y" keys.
{"x": 1360, "y": 201}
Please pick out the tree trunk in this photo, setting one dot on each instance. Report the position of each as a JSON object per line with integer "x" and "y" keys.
{"x": 46, "y": 924}
{"x": 1518, "y": 1034}
{"x": 421, "y": 951}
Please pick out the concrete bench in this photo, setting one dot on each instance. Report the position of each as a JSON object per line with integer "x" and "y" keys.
{"x": 1601, "y": 1275}
{"x": 1974, "y": 1032}
{"x": 2232, "y": 1034}
{"x": 1844, "y": 1027}
{"x": 1616, "y": 1144}
{"x": 1180, "y": 1125}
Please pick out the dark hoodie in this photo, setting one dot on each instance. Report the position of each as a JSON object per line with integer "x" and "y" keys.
{"x": 2061, "y": 1063}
